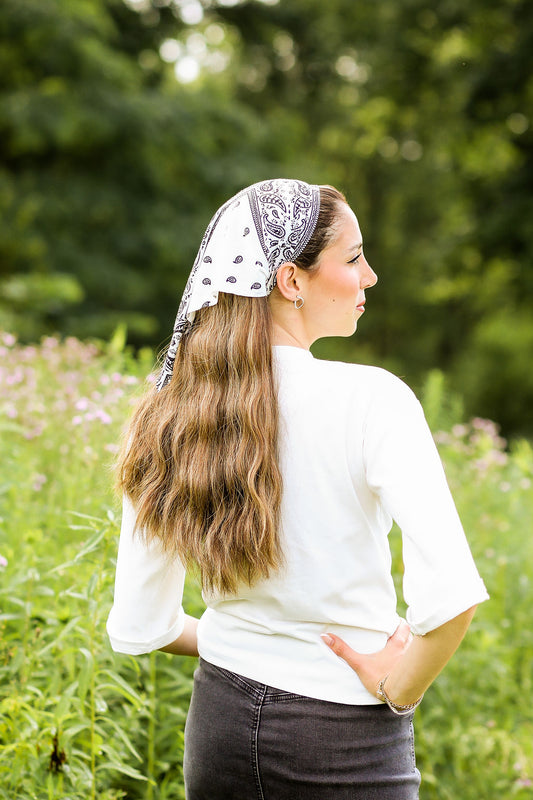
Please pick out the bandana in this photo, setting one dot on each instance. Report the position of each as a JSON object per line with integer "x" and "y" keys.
{"x": 248, "y": 238}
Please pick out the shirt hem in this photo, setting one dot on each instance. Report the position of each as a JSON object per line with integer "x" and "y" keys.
{"x": 363, "y": 698}
{"x": 442, "y": 616}
{"x": 138, "y": 648}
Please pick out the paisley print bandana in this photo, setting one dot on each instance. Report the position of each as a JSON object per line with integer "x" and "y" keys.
{"x": 249, "y": 237}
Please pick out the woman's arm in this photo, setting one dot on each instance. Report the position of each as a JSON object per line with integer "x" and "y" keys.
{"x": 411, "y": 662}
{"x": 186, "y": 643}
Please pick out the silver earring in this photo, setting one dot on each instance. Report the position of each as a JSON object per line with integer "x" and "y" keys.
{"x": 297, "y": 304}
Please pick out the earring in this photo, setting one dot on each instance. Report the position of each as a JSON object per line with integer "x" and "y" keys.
{"x": 299, "y": 304}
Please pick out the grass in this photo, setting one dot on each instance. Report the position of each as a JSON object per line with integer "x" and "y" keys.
{"x": 77, "y": 721}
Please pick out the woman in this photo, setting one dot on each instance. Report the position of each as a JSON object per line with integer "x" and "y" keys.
{"x": 279, "y": 476}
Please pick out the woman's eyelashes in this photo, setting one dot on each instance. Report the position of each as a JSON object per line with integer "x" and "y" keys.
{"x": 354, "y": 259}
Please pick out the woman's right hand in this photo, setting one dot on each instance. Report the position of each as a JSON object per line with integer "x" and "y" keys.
{"x": 372, "y": 668}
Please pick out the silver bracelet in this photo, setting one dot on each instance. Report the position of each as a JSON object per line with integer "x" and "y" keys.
{"x": 394, "y": 707}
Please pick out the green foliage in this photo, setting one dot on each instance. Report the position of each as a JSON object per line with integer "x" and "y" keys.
{"x": 421, "y": 113}
{"x": 77, "y": 721}
{"x": 105, "y": 177}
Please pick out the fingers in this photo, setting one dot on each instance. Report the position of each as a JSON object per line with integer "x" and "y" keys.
{"x": 396, "y": 645}
{"x": 341, "y": 649}
{"x": 401, "y": 638}
{"x": 402, "y": 632}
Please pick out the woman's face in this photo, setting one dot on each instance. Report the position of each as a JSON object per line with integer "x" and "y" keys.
{"x": 335, "y": 294}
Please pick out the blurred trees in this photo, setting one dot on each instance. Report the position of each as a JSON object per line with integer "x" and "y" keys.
{"x": 104, "y": 168}
{"x": 420, "y": 112}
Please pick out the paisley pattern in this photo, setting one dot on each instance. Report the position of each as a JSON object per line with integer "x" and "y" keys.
{"x": 284, "y": 223}
{"x": 246, "y": 241}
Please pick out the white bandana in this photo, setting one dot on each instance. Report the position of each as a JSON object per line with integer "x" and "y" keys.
{"x": 249, "y": 237}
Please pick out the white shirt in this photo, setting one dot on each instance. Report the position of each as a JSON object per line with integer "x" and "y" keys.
{"x": 355, "y": 453}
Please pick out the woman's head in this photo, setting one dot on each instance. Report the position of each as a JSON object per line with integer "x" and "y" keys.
{"x": 248, "y": 238}
{"x": 327, "y": 281}
{"x": 264, "y": 228}
{"x": 235, "y": 315}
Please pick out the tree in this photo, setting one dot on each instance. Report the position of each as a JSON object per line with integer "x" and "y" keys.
{"x": 107, "y": 180}
{"x": 420, "y": 113}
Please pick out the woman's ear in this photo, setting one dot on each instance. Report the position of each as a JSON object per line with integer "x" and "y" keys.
{"x": 288, "y": 280}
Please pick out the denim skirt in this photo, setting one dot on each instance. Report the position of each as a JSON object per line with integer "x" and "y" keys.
{"x": 248, "y": 741}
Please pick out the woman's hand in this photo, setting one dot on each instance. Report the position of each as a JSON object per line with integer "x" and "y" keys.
{"x": 372, "y": 668}
{"x": 421, "y": 657}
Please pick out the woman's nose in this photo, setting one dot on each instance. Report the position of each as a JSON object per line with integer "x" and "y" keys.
{"x": 370, "y": 278}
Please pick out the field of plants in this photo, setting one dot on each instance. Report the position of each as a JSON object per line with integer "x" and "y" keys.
{"x": 78, "y": 721}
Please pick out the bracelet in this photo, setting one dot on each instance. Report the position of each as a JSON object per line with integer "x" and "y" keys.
{"x": 394, "y": 707}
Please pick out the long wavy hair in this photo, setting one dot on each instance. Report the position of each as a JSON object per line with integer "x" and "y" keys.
{"x": 199, "y": 458}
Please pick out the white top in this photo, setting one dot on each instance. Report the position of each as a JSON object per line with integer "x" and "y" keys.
{"x": 355, "y": 453}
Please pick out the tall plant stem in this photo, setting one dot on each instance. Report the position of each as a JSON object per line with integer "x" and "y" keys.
{"x": 151, "y": 727}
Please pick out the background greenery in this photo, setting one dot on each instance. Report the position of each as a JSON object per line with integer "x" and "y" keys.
{"x": 420, "y": 111}
{"x": 79, "y": 722}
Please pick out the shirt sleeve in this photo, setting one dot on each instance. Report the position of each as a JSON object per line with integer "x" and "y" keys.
{"x": 404, "y": 468}
{"x": 147, "y": 611}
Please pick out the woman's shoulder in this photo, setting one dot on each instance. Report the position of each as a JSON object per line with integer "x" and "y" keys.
{"x": 364, "y": 377}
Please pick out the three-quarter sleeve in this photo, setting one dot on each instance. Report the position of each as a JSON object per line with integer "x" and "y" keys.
{"x": 147, "y": 611}
{"x": 404, "y": 468}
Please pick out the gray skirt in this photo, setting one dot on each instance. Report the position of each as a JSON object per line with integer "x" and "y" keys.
{"x": 248, "y": 741}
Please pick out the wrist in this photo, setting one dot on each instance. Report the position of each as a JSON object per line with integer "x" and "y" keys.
{"x": 397, "y": 708}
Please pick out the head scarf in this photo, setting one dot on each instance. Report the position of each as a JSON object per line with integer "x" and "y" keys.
{"x": 248, "y": 238}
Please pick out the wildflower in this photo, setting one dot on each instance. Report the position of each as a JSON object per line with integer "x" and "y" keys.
{"x": 77, "y": 420}
{"x": 9, "y": 340}
{"x": 499, "y": 458}
{"x": 3, "y": 562}
{"x": 38, "y": 481}
{"x": 459, "y": 431}
{"x": 15, "y": 377}
{"x": 485, "y": 425}
{"x": 505, "y": 486}
{"x": 32, "y": 433}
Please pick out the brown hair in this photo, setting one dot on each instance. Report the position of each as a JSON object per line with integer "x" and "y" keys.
{"x": 325, "y": 228}
{"x": 200, "y": 458}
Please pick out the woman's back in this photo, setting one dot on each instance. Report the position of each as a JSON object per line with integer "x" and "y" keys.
{"x": 342, "y": 427}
